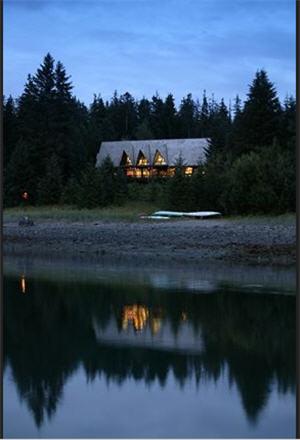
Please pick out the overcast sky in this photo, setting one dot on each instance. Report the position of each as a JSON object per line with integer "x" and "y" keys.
{"x": 144, "y": 46}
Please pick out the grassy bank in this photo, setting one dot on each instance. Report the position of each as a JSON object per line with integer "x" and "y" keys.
{"x": 129, "y": 212}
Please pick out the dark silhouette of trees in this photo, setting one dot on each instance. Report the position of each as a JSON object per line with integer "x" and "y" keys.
{"x": 48, "y": 124}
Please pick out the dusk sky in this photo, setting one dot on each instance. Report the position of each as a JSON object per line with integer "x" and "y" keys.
{"x": 144, "y": 46}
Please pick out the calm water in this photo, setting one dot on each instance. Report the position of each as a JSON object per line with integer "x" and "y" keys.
{"x": 116, "y": 353}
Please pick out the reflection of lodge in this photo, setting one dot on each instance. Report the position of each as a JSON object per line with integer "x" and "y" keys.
{"x": 149, "y": 328}
{"x": 154, "y": 158}
{"x": 139, "y": 316}
{"x": 220, "y": 324}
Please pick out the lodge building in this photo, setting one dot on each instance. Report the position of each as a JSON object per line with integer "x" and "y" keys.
{"x": 144, "y": 159}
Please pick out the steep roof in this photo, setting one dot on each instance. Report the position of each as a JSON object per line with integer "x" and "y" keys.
{"x": 191, "y": 150}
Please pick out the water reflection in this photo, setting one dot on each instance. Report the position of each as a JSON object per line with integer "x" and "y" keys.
{"x": 145, "y": 335}
{"x": 23, "y": 283}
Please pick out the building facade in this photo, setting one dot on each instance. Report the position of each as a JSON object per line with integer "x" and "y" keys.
{"x": 149, "y": 158}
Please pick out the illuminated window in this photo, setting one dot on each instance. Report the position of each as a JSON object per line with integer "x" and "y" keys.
{"x": 130, "y": 172}
{"x": 171, "y": 172}
{"x": 159, "y": 159}
{"x": 188, "y": 171}
{"x": 125, "y": 161}
{"x": 137, "y": 173}
{"x": 146, "y": 173}
{"x": 142, "y": 160}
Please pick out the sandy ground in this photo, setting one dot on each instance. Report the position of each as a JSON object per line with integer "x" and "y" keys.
{"x": 181, "y": 241}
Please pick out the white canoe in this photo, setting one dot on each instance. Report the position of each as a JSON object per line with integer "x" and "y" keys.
{"x": 197, "y": 214}
{"x": 202, "y": 214}
{"x": 168, "y": 214}
{"x": 154, "y": 217}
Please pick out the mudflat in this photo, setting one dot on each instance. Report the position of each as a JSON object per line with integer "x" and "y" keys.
{"x": 250, "y": 241}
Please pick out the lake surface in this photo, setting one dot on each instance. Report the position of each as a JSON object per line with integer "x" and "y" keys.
{"x": 123, "y": 352}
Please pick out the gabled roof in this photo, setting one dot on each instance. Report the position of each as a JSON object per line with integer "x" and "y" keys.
{"x": 191, "y": 150}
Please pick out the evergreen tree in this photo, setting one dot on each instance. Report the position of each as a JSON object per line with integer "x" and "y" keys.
{"x": 178, "y": 188}
{"x": 169, "y": 118}
{"x": 261, "y": 116}
{"x": 10, "y": 129}
{"x": 143, "y": 131}
{"x": 120, "y": 187}
{"x": 50, "y": 186}
{"x": 204, "y": 117}
{"x": 129, "y": 115}
{"x": 219, "y": 133}
{"x": 288, "y": 125}
{"x": 89, "y": 189}
{"x": 186, "y": 116}
{"x": 157, "y": 112}
{"x": 20, "y": 176}
{"x": 108, "y": 182}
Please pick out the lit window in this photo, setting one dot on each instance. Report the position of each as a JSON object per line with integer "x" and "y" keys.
{"x": 125, "y": 161}
{"x": 159, "y": 159}
{"x": 188, "y": 171}
{"x": 142, "y": 160}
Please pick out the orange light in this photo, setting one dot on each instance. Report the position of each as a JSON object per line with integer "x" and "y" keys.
{"x": 138, "y": 315}
{"x": 188, "y": 171}
{"x": 23, "y": 284}
{"x": 25, "y": 195}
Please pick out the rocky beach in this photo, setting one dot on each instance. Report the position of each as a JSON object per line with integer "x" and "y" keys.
{"x": 259, "y": 241}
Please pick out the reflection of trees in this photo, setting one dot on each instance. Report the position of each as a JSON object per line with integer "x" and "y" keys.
{"x": 49, "y": 332}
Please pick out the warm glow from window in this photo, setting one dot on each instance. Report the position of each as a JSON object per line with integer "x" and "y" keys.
{"x": 146, "y": 173}
{"x": 125, "y": 161}
{"x": 142, "y": 160}
{"x": 171, "y": 172}
{"x": 159, "y": 159}
{"x": 128, "y": 161}
{"x": 188, "y": 171}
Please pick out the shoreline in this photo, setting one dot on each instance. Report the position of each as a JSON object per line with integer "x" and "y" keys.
{"x": 181, "y": 242}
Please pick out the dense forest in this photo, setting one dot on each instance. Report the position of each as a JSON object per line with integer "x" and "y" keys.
{"x": 51, "y": 140}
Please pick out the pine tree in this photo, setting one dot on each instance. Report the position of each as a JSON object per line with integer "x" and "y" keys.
{"x": 204, "y": 117}
{"x": 89, "y": 188}
{"x": 108, "y": 182}
{"x": 49, "y": 187}
{"x": 10, "y": 129}
{"x": 20, "y": 176}
{"x": 186, "y": 117}
{"x": 288, "y": 125}
{"x": 128, "y": 114}
{"x": 261, "y": 115}
{"x": 157, "y": 111}
{"x": 143, "y": 131}
{"x": 169, "y": 118}
{"x": 178, "y": 189}
{"x": 219, "y": 132}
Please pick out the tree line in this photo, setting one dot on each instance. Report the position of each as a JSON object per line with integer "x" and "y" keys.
{"x": 51, "y": 140}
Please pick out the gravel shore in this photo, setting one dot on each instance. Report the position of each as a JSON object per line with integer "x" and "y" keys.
{"x": 183, "y": 241}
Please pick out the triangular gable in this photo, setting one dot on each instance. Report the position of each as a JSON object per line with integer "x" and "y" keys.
{"x": 125, "y": 160}
{"x": 159, "y": 159}
{"x": 142, "y": 159}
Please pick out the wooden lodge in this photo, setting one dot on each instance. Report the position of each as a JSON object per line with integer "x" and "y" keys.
{"x": 144, "y": 159}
